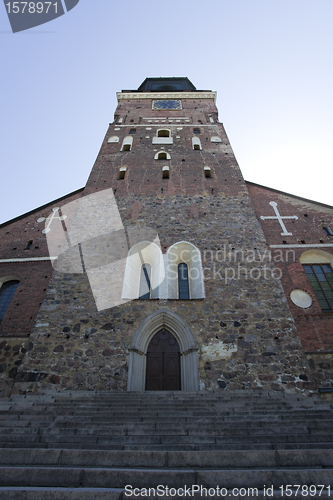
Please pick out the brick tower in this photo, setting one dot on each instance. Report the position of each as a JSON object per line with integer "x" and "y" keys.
{"x": 175, "y": 289}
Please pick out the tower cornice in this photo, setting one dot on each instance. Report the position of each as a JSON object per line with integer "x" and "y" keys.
{"x": 166, "y": 95}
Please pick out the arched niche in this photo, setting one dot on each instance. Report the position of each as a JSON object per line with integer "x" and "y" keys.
{"x": 144, "y": 252}
{"x": 208, "y": 172}
{"x": 196, "y": 143}
{"x": 113, "y": 139}
{"x": 127, "y": 143}
{"x": 316, "y": 256}
{"x": 122, "y": 173}
{"x": 165, "y": 172}
{"x": 163, "y": 132}
{"x": 4, "y": 279}
{"x": 187, "y": 253}
{"x": 164, "y": 318}
{"x": 162, "y": 155}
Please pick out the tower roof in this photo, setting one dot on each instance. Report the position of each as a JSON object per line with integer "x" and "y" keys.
{"x": 162, "y": 84}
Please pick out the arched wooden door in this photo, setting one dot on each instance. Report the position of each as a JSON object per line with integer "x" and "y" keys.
{"x": 163, "y": 363}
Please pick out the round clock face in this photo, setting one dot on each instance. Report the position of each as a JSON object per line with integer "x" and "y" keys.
{"x": 167, "y": 104}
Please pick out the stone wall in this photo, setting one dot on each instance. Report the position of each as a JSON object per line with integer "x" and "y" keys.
{"x": 321, "y": 366}
{"x": 12, "y": 351}
{"x": 243, "y": 328}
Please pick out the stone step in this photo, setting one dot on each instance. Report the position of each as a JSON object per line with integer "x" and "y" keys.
{"x": 93, "y": 477}
{"x": 90, "y": 394}
{"x": 121, "y": 417}
{"x": 95, "y": 443}
{"x": 198, "y": 402}
{"x": 31, "y": 493}
{"x": 180, "y": 431}
{"x": 144, "y": 428}
{"x": 201, "y": 397}
{"x": 83, "y": 424}
{"x": 243, "y": 446}
{"x": 166, "y": 443}
{"x": 213, "y": 447}
{"x": 259, "y": 397}
{"x": 216, "y": 403}
{"x": 164, "y": 406}
{"x": 173, "y": 459}
{"x": 289, "y": 416}
{"x": 190, "y": 423}
{"x": 165, "y": 403}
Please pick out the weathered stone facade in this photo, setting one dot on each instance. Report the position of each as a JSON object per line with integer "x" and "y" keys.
{"x": 239, "y": 334}
{"x": 244, "y": 331}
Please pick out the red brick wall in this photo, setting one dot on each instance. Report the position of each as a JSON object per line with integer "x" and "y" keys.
{"x": 144, "y": 174}
{"x": 314, "y": 326}
{"x": 34, "y": 276}
{"x": 34, "y": 279}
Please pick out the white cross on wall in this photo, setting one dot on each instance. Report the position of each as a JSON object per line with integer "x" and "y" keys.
{"x": 50, "y": 219}
{"x": 279, "y": 218}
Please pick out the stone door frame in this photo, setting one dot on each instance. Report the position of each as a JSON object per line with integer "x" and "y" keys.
{"x": 164, "y": 318}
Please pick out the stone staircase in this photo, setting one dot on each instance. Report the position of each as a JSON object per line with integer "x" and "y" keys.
{"x": 89, "y": 445}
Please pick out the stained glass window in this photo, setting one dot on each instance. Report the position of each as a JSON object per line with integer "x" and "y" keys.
{"x": 321, "y": 279}
{"x": 6, "y": 294}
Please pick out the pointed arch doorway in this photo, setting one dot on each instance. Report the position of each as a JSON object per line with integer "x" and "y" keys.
{"x": 160, "y": 320}
{"x": 163, "y": 363}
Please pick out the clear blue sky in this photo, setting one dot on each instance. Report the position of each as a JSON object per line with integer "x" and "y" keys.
{"x": 270, "y": 62}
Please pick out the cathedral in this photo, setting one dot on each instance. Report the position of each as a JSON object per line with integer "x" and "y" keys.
{"x": 168, "y": 271}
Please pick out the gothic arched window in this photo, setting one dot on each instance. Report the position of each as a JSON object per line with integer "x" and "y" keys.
{"x": 208, "y": 172}
{"x": 196, "y": 143}
{"x": 145, "y": 280}
{"x": 162, "y": 155}
{"x": 183, "y": 285}
{"x": 164, "y": 133}
{"x": 7, "y": 291}
{"x": 144, "y": 272}
{"x": 184, "y": 272}
{"x": 122, "y": 172}
{"x": 165, "y": 172}
{"x": 127, "y": 143}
